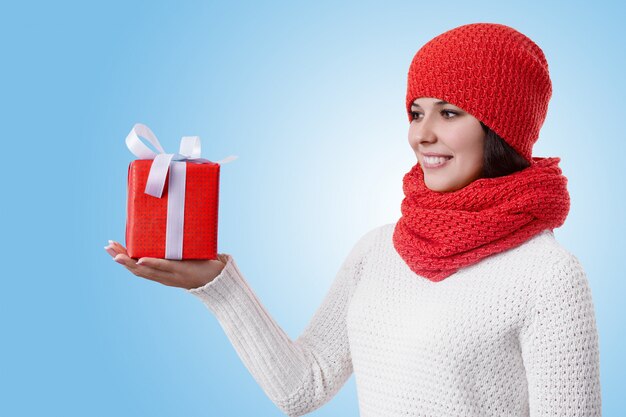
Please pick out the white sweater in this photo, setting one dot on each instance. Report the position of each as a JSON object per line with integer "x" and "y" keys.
{"x": 513, "y": 335}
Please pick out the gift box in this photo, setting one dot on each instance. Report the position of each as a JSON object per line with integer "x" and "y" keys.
{"x": 172, "y": 200}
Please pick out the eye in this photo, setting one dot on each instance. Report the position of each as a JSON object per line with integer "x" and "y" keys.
{"x": 448, "y": 114}
{"x": 414, "y": 115}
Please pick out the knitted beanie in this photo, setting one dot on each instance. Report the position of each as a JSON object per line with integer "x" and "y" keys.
{"x": 493, "y": 72}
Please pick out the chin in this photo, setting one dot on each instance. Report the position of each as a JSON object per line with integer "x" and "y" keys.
{"x": 437, "y": 187}
{"x": 442, "y": 188}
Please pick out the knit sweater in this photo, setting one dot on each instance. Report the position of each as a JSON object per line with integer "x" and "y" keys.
{"x": 512, "y": 335}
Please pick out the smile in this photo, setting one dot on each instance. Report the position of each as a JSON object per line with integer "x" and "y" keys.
{"x": 435, "y": 161}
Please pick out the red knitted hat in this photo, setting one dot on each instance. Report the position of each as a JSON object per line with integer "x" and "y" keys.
{"x": 493, "y": 72}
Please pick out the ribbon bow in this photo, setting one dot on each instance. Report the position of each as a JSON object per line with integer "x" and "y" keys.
{"x": 190, "y": 150}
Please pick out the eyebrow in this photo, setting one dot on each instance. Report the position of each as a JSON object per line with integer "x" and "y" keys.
{"x": 439, "y": 103}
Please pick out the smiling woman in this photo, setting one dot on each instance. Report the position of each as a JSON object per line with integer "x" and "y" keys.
{"x": 453, "y": 214}
{"x": 476, "y": 99}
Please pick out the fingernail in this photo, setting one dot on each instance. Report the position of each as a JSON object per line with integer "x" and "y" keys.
{"x": 119, "y": 261}
{"x": 110, "y": 251}
{"x": 111, "y": 242}
{"x": 139, "y": 262}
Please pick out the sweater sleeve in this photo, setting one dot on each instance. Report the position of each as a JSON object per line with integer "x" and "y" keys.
{"x": 297, "y": 376}
{"x": 560, "y": 346}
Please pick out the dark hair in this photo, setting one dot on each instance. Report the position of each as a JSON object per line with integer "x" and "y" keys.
{"x": 499, "y": 157}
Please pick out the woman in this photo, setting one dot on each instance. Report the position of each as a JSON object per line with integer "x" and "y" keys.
{"x": 467, "y": 305}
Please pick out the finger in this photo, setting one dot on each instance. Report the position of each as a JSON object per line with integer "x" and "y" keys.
{"x": 157, "y": 263}
{"x": 110, "y": 251}
{"x": 118, "y": 247}
{"x": 124, "y": 259}
{"x": 145, "y": 271}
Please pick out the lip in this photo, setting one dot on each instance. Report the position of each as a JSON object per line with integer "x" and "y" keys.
{"x": 430, "y": 166}
{"x": 434, "y": 154}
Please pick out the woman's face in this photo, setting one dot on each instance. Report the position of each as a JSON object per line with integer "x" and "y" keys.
{"x": 440, "y": 128}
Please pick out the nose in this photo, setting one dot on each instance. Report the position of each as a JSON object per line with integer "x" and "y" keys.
{"x": 423, "y": 131}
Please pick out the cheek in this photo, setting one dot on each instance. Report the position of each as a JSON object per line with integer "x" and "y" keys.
{"x": 467, "y": 141}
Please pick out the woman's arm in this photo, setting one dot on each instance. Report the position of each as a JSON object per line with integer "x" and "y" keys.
{"x": 298, "y": 376}
{"x": 560, "y": 347}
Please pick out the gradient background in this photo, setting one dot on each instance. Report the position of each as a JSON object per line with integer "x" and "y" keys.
{"x": 310, "y": 96}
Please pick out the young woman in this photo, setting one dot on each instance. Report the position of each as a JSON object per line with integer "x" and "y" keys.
{"x": 467, "y": 305}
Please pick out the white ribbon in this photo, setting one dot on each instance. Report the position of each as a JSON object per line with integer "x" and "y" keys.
{"x": 190, "y": 150}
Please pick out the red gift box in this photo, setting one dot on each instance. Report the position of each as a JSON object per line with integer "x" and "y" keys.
{"x": 147, "y": 215}
{"x": 172, "y": 203}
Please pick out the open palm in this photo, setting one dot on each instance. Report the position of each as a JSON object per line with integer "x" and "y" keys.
{"x": 186, "y": 274}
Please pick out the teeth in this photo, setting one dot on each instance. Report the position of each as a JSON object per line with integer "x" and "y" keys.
{"x": 434, "y": 160}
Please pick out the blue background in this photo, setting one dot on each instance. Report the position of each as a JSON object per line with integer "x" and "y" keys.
{"x": 310, "y": 96}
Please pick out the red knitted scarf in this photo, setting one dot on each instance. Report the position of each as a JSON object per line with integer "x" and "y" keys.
{"x": 441, "y": 232}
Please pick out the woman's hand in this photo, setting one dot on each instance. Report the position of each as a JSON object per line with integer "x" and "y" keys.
{"x": 188, "y": 274}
